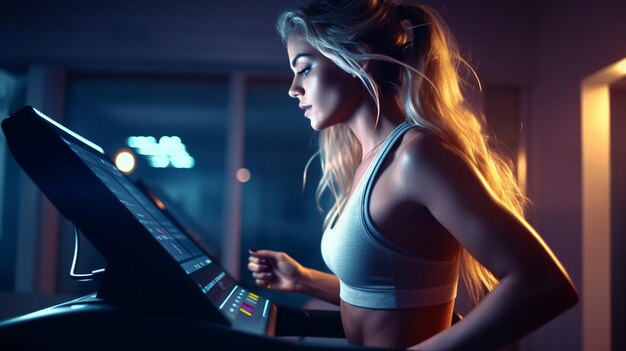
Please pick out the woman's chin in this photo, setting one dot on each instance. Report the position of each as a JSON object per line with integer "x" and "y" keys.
{"x": 315, "y": 126}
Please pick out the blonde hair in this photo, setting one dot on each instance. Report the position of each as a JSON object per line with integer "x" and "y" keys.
{"x": 417, "y": 65}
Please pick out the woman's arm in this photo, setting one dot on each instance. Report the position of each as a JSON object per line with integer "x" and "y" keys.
{"x": 534, "y": 287}
{"x": 278, "y": 271}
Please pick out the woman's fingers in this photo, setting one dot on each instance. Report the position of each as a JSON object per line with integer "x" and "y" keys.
{"x": 263, "y": 283}
{"x": 264, "y": 254}
{"x": 259, "y": 260}
{"x": 262, "y": 264}
{"x": 263, "y": 275}
{"x": 257, "y": 267}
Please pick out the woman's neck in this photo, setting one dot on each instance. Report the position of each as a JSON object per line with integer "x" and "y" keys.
{"x": 372, "y": 132}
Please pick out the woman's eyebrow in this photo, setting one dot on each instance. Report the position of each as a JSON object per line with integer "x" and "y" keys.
{"x": 293, "y": 63}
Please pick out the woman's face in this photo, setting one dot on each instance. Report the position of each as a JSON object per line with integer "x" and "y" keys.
{"x": 327, "y": 94}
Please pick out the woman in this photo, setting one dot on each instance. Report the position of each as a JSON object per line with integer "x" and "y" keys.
{"x": 419, "y": 196}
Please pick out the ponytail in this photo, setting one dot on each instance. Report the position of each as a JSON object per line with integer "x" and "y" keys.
{"x": 420, "y": 68}
{"x": 438, "y": 103}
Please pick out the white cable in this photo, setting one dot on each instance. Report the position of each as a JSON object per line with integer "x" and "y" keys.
{"x": 83, "y": 277}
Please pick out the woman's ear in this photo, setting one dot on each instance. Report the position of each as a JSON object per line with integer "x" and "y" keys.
{"x": 408, "y": 30}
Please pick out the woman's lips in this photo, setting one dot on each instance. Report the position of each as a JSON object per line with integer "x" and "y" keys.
{"x": 306, "y": 108}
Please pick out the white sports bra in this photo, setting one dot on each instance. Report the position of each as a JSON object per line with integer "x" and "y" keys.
{"x": 373, "y": 271}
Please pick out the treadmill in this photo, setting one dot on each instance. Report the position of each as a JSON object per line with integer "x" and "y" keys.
{"x": 160, "y": 289}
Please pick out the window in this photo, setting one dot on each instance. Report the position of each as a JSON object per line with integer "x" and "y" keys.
{"x": 277, "y": 213}
{"x": 108, "y": 109}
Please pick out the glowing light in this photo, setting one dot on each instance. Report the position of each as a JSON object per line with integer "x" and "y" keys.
{"x": 522, "y": 170}
{"x": 621, "y": 66}
{"x": 159, "y": 204}
{"x": 159, "y": 161}
{"x": 168, "y": 151}
{"x": 596, "y": 205}
{"x": 125, "y": 161}
{"x": 243, "y": 175}
{"x": 50, "y": 120}
{"x": 182, "y": 161}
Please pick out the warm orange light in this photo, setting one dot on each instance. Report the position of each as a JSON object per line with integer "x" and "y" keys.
{"x": 621, "y": 66}
{"x": 159, "y": 204}
{"x": 608, "y": 74}
{"x": 596, "y": 205}
{"x": 125, "y": 161}
{"x": 522, "y": 170}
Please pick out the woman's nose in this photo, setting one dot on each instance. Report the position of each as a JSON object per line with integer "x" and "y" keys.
{"x": 295, "y": 90}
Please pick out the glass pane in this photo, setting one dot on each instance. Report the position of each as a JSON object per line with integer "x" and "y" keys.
{"x": 277, "y": 213}
{"x": 107, "y": 110}
{"x": 12, "y": 96}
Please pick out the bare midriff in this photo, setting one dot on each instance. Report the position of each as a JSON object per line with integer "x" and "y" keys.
{"x": 394, "y": 328}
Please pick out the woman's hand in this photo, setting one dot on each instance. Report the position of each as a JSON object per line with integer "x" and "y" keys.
{"x": 275, "y": 270}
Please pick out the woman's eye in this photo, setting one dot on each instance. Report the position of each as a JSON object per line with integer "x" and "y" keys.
{"x": 305, "y": 71}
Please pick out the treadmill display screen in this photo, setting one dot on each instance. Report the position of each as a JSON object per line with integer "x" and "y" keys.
{"x": 240, "y": 307}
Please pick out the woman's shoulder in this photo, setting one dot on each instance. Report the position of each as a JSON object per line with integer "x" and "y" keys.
{"x": 420, "y": 147}
{"x": 423, "y": 157}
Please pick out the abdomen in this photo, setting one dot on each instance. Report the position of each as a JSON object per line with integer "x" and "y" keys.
{"x": 397, "y": 328}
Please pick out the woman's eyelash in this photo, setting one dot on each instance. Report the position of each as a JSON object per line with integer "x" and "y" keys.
{"x": 304, "y": 71}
